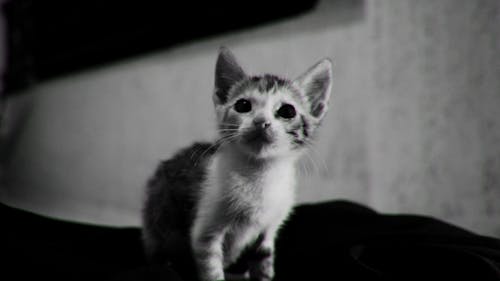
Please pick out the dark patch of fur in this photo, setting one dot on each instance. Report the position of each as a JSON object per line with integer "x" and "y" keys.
{"x": 172, "y": 195}
{"x": 264, "y": 84}
{"x": 267, "y": 82}
{"x": 300, "y": 132}
{"x": 305, "y": 126}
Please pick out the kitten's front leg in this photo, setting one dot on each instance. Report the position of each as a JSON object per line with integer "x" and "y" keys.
{"x": 207, "y": 249}
{"x": 262, "y": 262}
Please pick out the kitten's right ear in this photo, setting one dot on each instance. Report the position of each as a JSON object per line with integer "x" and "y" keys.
{"x": 227, "y": 73}
{"x": 316, "y": 84}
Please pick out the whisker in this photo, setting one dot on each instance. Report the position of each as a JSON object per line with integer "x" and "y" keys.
{"x": 223, "y": 141}
{"x": 203, "y": 153}
{"x": 319, "y": 161}
{"x": 312, "y": 164}
{"x": 303, "y": 168}
{"x": 193, "y": 153}
{"x": 217, "y": 144}
{"x": 229, "y": 124}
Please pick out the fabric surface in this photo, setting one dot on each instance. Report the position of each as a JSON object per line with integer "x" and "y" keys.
{"x": 336, "y": 240}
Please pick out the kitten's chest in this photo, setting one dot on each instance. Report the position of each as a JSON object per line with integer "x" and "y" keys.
{"x": 264, "y": 196}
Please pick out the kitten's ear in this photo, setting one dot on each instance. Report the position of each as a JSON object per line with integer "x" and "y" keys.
{"x": 316, "y": 84}
{"x": 227, "y": 73}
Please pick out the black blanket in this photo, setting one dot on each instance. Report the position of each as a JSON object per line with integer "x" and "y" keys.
{"x": 335, "y": 240}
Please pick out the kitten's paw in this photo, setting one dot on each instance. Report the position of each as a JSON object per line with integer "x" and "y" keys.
{"x": 237, "y": 277}
{"x": 262, "y": 271}
{"x": 261, "y": 279}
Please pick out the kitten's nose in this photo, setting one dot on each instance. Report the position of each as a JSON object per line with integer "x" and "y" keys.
{"x": 261, "y": 123}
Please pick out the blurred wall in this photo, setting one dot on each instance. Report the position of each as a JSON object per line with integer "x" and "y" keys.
{"x": 414, "y": 125}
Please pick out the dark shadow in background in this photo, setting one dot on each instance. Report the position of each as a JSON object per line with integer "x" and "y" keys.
{"x": 47, "y": 39}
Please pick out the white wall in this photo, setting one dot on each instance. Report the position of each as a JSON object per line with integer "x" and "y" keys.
{"x": 414, "y": 125}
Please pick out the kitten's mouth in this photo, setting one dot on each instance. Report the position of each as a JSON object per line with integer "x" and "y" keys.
{"x": 258, "y": 138}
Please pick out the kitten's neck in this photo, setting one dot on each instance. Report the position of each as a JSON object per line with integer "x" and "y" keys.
{"x": 233, "y": 159}
{"x": 262, "y": 183}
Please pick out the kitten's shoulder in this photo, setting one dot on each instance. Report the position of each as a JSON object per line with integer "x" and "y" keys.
{"x": 174, "y": 187}
{"x": 171, "y": 196}
{"x": 188, "y": 164}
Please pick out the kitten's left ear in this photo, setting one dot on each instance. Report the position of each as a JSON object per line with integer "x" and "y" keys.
{"x": 227, "y": 73}
{"x": 316, "y": 84}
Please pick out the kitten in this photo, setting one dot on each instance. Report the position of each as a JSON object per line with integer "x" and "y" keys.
{"x": 213, "y": 204}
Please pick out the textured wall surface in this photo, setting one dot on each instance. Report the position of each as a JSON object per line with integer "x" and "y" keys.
{"x": 414, "y": 125}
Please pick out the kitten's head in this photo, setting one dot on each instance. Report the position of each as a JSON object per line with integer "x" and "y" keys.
{"x": 268, "y": 116}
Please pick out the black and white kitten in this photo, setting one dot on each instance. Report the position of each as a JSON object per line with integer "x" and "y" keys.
{"x": 212, "y": 204}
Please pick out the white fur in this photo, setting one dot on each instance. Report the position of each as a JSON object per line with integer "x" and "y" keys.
{"x": 264, "y": 186}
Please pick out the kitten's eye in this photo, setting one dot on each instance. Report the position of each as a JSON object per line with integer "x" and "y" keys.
{"x": 242, "y": 106}
{"x": 287, "y": 111}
